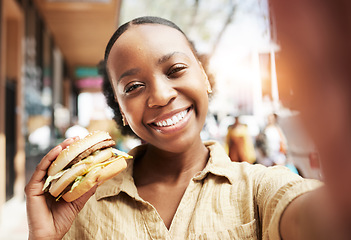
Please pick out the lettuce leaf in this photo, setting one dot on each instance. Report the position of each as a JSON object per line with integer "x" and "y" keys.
{"x": 51, "y": 178}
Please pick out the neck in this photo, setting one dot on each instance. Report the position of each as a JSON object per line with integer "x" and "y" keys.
{"x": 170, "y": 167}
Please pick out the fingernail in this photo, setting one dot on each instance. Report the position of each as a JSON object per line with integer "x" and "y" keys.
{"x": 57, "y": 148}
{"x": 68, "y": 139}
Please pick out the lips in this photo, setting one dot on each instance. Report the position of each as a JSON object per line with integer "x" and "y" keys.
{"x": 173, "y": 120}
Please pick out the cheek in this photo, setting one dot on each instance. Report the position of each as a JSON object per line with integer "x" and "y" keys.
{"x": 132, "y": 109}
{"x": 134, "y": 114}
{"x": 197, "y": 91}
{"x": 201, "y": 102}
{"x": 197, "y": 82}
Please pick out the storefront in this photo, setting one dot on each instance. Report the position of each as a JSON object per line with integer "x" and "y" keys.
{"x": 32, "y": 70}
{"x": 12, "y": 156}
{"x": 42, "y": 44}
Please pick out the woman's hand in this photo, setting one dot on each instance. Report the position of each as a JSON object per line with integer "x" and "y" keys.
{"x": 48, "y": 218}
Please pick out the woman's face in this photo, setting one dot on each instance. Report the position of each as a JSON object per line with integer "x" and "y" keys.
{"x": 160, "y": 86}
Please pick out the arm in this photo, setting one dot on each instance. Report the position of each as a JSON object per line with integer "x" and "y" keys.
{"x": 48, "y": 218}
{"x": 316, "y": 43}
{"x": 313, "y": 216}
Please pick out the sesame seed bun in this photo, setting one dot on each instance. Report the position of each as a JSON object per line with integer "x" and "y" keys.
{"x": 83, "y": 164}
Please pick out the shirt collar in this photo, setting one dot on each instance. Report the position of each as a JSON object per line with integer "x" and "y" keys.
{"x": 218, "y": 163}
{"x": 124, "y": 182}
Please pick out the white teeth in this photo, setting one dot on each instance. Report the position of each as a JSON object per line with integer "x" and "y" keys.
{"x": 173, "y": 120}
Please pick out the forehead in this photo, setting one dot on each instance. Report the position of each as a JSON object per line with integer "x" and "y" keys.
{"x": 155, "y": 38}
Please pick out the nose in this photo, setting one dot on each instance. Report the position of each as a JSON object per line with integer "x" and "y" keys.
{"x": 161, "y": 93}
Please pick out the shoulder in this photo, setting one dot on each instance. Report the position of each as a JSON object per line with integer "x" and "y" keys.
{"x": 219, "y": 164}
{"x": 263, "y": 180}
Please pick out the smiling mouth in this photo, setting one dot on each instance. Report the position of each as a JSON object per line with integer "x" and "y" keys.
{"x": 172, "y": 120}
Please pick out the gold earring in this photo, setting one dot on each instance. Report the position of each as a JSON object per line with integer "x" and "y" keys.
{"x": 209, "y": 90}
{"x": 124, "y": 121}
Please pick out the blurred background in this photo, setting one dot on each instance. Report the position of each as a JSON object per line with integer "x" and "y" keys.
{"x": 50, "y": 87}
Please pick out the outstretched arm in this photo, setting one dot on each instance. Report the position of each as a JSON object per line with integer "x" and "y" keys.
{"x": 315, "y": 40}
{"x": 314, "y": 216}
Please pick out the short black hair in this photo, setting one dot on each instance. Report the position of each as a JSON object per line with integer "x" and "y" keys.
{"x": 138, "y": 21}
{"x": 106, "y": 86}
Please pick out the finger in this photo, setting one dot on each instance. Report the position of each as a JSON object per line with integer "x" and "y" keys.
{"x": 44, "y": 164}
{"x": 69, "y": 141}
{"x": 50, "y": 156}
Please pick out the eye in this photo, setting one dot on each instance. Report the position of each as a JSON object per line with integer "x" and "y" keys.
{"x": 133, "y": 87}
{"x": 176, "y": 70}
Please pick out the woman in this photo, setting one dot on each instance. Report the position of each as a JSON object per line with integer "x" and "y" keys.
{"x": 276, "y": 141}
{"x": 177, "y": 187}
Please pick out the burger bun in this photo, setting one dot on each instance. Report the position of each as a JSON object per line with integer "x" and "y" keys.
{"x": 96, "y": 177}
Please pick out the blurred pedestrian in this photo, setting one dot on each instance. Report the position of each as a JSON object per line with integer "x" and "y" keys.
{"x": 239, "y": 142}
{"x": 276, "y": 142}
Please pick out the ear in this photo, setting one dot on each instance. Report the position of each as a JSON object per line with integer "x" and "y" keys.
{"x": 207, "y": 82}
{"x": 124, "y": 120}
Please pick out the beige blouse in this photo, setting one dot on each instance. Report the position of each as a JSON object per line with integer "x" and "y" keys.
{"x": 227, "y": 200}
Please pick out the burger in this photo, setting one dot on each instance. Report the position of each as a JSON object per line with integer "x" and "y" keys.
{"x": 83, "y": 164}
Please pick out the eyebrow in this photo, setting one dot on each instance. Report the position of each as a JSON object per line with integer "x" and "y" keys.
{"x": 166, "y": 57}
{"x": 161, "y": 60}
{"x": 129, "y": 72}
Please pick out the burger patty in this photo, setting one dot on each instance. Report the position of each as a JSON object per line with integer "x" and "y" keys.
{"x": 86, "y": 153}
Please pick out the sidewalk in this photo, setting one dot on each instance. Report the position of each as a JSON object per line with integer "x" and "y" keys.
{"x": 13, "y": 221}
